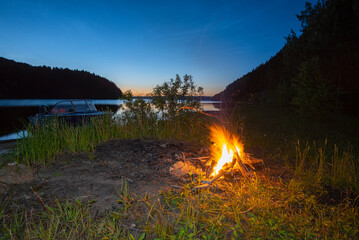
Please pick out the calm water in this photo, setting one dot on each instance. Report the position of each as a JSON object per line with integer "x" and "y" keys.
{"x": 15, "y": 112}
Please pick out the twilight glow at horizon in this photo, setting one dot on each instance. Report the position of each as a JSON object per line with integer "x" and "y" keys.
{"x": 140, "y": 44}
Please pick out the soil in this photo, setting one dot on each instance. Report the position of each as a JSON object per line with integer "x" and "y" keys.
{"x": 148, "y": 166}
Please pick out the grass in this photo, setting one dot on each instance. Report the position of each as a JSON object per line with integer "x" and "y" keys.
{"x": 232, "y": 210}
{"x": 321, "y": 156}
{"x": 53, "y": 138}
{"x": 320, "y": 152}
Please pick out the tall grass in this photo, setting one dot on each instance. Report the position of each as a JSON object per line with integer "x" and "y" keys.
{"x": 319, "y": 152}
{"x": 344, "y": 171}
{"x": 43, "y": 143}
{"x": 336, "y": 168}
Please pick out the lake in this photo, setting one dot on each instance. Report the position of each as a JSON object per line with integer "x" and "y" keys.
{"x": 15, "y": 112}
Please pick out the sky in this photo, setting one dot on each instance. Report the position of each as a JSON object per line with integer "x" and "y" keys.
{"x": 139, "y": 44}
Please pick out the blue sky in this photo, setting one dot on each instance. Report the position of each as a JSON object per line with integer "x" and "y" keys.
{"x": 138, "y": 44}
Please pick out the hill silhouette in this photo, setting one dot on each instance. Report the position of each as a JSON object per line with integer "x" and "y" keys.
{"x": 315, "y": 73}
{"x": 23, "y": 81}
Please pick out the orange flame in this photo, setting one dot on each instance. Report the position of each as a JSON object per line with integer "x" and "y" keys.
{"x": 230, "y": 145}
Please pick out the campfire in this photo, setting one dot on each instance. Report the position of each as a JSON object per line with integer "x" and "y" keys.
{"x": 226, "y": 154}
{"x": 227, "y": 149}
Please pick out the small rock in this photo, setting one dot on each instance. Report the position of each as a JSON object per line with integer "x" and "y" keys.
{"x": 180, "y": 169}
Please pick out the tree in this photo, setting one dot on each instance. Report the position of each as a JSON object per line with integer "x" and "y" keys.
{"x": 169, "y": 97}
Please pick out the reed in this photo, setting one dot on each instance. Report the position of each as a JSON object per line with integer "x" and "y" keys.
{"x": 43, "y": 143}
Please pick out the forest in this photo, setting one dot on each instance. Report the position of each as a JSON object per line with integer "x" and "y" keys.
{"x": 23, "y": 81}
{"x": 315, "y": 73}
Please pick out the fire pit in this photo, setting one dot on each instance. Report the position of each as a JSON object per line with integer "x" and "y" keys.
{"x": 227, "y": 155}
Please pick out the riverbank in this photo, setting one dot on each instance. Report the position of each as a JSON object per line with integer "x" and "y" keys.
{"x": 140, "y": 181}
{"x": 142, "y": 187}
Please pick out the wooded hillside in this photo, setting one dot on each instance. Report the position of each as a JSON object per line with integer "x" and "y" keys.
{"x": 315, "y": 73}
{"x": 23, "y": 81}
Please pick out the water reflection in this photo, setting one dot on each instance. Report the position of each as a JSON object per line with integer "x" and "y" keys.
{"x": 15, "y": 135}
{"x": 15, "y": 112}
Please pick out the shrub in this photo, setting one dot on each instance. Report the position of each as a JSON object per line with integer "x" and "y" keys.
{"x": 177, "y": 93}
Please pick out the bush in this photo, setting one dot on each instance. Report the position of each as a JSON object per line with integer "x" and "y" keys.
{"x": 137, "y": 108}
{"x": 177, "y": 93}
{"x": 167, "y": 99}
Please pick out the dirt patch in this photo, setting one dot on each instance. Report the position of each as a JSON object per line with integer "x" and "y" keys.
{"x": 100, "y": 175}
{"x": 14, "y": 174}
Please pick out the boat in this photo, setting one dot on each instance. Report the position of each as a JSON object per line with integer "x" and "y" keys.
{"x": 74, "y": 112}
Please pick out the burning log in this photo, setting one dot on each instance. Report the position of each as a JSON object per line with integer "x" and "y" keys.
{"x": 242, "y": 167}
{"x": 226, "y": 170}
{"x": 207, "y": 184}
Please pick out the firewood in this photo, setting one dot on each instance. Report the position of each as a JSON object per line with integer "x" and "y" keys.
{"x": 207, "y": 184}
{"x": 204, "y": 186}
{"x": 199, "y": 158}
{"x": 244, "y": 170}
